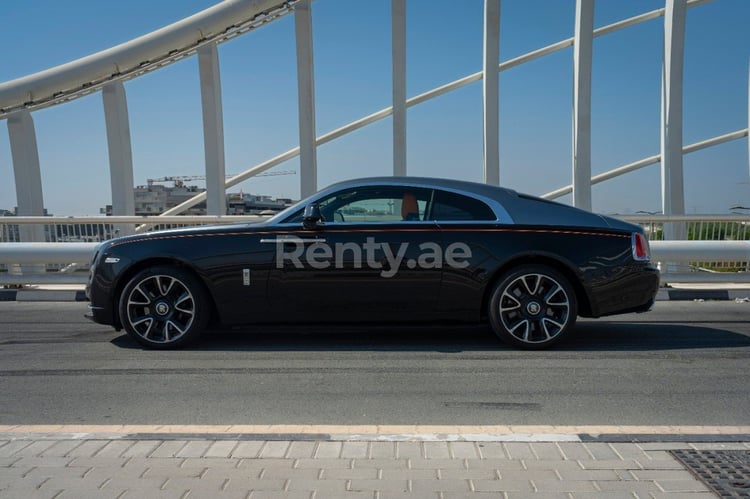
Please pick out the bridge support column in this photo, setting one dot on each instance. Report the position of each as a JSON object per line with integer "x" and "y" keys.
{"x": 120, "y": 152}
{"x": 490, "y": 82}
{"x": 398, "y": 51}
{"x": 27, "y": 172}
{"x": 672, "y": 185}
{"x": 582, "y": 56}
{"x": 306, "y": 97}
{"x": 213, "y": 129}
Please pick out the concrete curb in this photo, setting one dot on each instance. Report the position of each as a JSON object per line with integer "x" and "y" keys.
{"x": 687, "y": 294}
{"x": 371, "y": 432}
{"x": 635, "y": 438}
{"x": 55, "y": 295}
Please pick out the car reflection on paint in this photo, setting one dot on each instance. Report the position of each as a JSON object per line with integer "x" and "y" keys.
{"x": 378, "y": 250}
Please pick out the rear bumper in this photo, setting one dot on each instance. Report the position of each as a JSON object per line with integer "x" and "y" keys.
{"x": 635, "y": 291}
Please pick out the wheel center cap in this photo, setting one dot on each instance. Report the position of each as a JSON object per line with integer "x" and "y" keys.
{"x": 533, "y": 308}
{"x": 162, "y": 308}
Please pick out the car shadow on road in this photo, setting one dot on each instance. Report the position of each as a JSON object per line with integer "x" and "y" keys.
{"x": 635, "y": 336}
{"x": 587, "y": 336}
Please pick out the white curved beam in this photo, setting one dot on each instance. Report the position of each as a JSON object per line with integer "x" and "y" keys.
{"x": 163, "y": 46}
{"x": 159, "y": 48}
{"x": 651, "y": 160}
{"x": 436, "y": 92}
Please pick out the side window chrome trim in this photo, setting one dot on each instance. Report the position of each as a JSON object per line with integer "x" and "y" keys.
{"x": 502, "y": 214}
{"x": 349, "y": 224}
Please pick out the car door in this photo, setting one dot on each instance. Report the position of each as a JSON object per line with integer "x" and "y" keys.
{"x": 364, "y": 262}
{"x": 470, "y": 242}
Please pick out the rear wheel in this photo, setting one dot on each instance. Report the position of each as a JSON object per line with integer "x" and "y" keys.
{"x": 532, "y": 307}
{"x": 164, "y": 307}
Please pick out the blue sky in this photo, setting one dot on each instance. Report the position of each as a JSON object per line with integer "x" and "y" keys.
{"x": 352, "y": 65}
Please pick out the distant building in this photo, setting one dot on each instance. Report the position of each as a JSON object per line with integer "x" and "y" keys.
{"x": 14, "y": 213}
{"x": 252, "y": 204}
{"x": 10, "y": 232}
{"x": 155, "y": 199}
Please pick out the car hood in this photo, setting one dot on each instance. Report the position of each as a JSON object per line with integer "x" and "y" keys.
{"x": 187, "y": 231}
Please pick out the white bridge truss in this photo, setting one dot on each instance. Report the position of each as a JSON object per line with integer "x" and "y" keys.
{"x": 199, "y": 35}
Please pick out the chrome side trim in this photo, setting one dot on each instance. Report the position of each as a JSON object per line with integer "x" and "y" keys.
{"x": 293, "y": 240}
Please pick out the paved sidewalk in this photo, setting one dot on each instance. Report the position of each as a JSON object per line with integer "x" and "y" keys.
{"x": 60, "y": 465}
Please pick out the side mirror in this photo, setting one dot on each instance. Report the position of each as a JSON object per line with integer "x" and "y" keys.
{"x": 312, "y": 216}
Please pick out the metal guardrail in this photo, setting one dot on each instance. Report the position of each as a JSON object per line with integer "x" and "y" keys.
{"x": 718, "y": 249}
{"x": 71, "y": 242}
{"x": 98, "y": 229}
{"x": 716, "y": 228}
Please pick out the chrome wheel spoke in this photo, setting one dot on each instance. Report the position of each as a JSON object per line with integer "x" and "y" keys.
{"x": 165, "y": 331}
{"x": 138, "y": 322}
{"x": 162, "y": 287}
{"x": 524, "y": 322}
{"x": 509, "y": 297}
{"x": 149, "y": 322}
{"x": 552, "y": 293}
{"x": 186, "y": 297}
{"x": 537, "y": 280}
{"x": 175, "y": 326}
{"x": 143, "y": 293}
{"x": 559, "y": 327}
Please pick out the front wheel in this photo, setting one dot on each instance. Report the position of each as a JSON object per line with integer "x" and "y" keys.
{"x": 532, "y": 307}
{"x": 163, "y": 307}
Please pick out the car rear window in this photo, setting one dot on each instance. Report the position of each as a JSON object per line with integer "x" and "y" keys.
{"x": 449, "y": 206}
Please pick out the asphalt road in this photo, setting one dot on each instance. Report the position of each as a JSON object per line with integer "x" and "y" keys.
{"x": 685, "y": 363}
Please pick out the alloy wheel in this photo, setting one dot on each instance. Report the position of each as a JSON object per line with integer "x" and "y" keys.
{"x": 534, "y": 308}
{"x": 160, "y": 309}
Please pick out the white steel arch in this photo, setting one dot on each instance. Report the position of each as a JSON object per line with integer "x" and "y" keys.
{"x": 201, "y": 33}
{"x": 217, "y": 24}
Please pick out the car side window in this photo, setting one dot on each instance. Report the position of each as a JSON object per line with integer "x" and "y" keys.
{"x": 449, "y": 206}
{"x": 372, "y": 205}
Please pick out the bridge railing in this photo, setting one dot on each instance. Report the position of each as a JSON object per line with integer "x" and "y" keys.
{"x": 717, "y": 249}
{"x": 70, "y": 243}
{"x": 98, "y": 229}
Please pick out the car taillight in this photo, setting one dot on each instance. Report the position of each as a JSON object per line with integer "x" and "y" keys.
{"x": 641, "y": 251}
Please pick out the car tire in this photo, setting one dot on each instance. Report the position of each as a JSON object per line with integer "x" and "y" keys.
{"x": 164, "y": 307}
{"x": 532, "y": 307}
